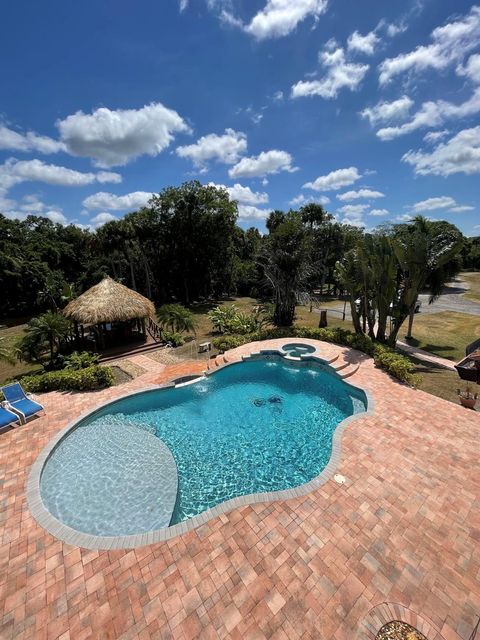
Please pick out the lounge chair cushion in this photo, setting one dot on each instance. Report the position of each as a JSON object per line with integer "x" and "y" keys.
{"x": 13, "y": 392}
{"x": 27, "y": 407}
{"x": 7, "y": 417}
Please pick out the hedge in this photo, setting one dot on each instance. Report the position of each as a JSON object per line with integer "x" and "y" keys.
{"x": 386, "y": 358}
{"x": 88, "y": 379}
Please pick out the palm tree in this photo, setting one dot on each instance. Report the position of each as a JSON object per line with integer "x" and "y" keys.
{"x": 177, "y": 318}
{"x": 286, "y": 266}
{"x": 423, "y": 249}
{"x": 379, "y": 268}
{"x": 45, "y": 333}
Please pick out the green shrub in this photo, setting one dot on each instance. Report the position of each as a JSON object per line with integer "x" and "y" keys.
{"x": 395, "y": 364}
{"x": 231, "y": 342}
{"x": 80, "y": 360}
{"x": 228, "y": 319}
{"x": 174, "y": 338}
{"x": 95, "y": 377}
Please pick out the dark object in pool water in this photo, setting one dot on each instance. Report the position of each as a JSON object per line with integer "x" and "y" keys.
{"x": 259, "y": 402}
{"x": 275, "y": 400}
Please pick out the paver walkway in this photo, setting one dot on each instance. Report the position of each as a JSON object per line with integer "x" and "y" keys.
{"x": 420, "y": 354}
{"x": 404, "y": 528}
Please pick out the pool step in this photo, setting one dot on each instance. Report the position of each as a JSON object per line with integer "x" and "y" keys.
{"x": 341, "y": 366}
{"x": 218, "y": 361}
{"x": 349, "y": 370}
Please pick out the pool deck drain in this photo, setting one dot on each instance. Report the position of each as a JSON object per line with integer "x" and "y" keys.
{"x": 405, "y": 529}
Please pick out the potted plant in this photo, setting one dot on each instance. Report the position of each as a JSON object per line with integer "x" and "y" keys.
{"x": 467, "y": 398}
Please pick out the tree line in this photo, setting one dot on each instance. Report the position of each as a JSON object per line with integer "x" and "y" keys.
{"x": 185, "y": 245}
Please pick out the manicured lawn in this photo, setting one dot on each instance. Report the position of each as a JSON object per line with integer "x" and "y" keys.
{"x": 440, "y": 382}
{"x": 444, "y": 334}
{"x": 204, "y": 327}
{"x": 473, "y": 280}
{"x": 8, "y": 370}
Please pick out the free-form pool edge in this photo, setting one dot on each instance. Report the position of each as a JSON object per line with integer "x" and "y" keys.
{"x": 88, "y": 541}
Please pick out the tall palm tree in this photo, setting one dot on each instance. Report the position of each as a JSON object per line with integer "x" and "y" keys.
{"x": 285, "y": 264}
{"x": 348, "y": 273}
{"x": 423, "y": 249}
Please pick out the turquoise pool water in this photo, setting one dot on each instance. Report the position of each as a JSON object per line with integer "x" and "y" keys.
{"x": 296, "y": 350}
{"x": 261, "y": 425}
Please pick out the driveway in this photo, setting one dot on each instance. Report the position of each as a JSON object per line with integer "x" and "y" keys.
{"x": 451, "y": 300}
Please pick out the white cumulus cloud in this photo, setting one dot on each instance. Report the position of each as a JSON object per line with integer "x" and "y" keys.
{"x": 14, "y": 171}
{"x": 101, "y": 218}
{"x": 104, "y": 200}
{"x": 300, "y": 200}
{"x": 340, "y": 74}
{"x": 32, "y": 205}
{"x": 459, "y": 154}
{"x": 226, "y": 148}
{"x": 471, "y": 69}
{"x": 244, "y": 195}
{"x": 388, "y": 111}
{"x": 280, "y": 17}
{"x": 116, "y": 137}
{"x": 434, "y": 114}
{"x": 267, "y": 162}
{"x": 461, "y": 208}
{"x": 434, "y": 136}
{"x": 248, "y": 211}
{"x": 430, "y": 204}
{"x": 353, "y": 209}
{"x": 29, "y": 141}
{"x": 361, "y": 193}
{"x": 441, "y": 202}
{"x": 334, "y": 180}
{"x": 353, "y": 214}
{"x": 379, "y": 213}
{"x": 363, "y": 44}
{"x": 449, "y": 45}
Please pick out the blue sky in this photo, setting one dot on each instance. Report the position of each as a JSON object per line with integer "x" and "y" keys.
{"x": 371, "y": 108}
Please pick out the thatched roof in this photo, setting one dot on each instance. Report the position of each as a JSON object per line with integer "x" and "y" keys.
{"x": 108, "y": 301}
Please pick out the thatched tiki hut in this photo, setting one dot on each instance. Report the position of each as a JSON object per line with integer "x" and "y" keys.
{"x": 111, "y": 313}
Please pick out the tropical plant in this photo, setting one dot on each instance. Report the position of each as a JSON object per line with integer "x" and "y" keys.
{"x": 228, "y": 319}
{"x": 285, "y": 265}
{"x": 176, "y": 318}
{"x": 424, "y": 250}
{"x": 5, "y": 352}
{"x": 44, "y": 337}
{"x": 173, "y": 338}
{"x": 80, "y": 360}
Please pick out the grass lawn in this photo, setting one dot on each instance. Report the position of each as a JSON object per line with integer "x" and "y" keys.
{"x": 8, "y": 370}
{"x": 204, "y": 327}
{"x": 452, "y": 332}
{"x": 473, "y": 280}
{"x": 439, "y": 382}
{"x": 444, "y": 334}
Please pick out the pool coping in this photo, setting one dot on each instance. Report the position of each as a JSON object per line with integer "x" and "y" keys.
{"x": 96, "y": 543}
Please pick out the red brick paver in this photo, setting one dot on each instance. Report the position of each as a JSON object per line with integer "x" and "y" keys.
{"x": 404, "y": 529}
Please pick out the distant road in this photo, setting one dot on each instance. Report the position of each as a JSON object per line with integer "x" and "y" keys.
{"x": 451, "y": 300}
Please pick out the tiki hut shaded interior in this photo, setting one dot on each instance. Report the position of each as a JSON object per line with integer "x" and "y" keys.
{"x": 109, "y": 313}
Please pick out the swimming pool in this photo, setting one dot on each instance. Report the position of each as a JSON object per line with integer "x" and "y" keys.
{"x": 260, "y": 426}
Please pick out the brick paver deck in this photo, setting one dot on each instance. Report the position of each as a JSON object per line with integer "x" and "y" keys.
{"x": 404, "y": 529}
